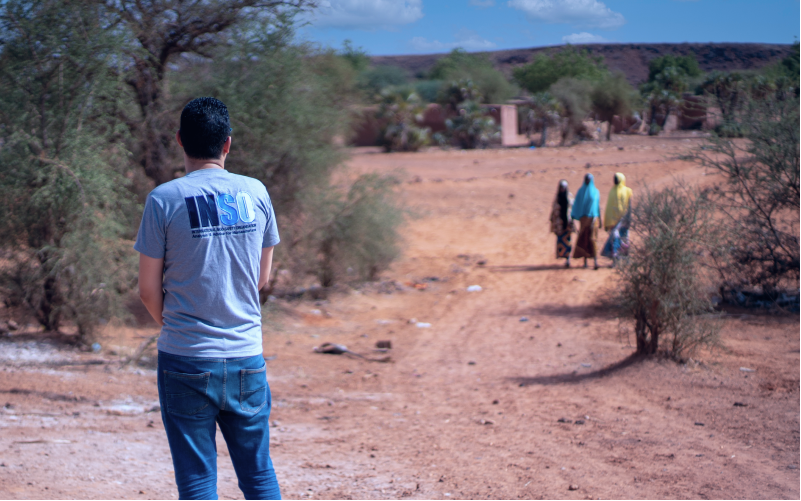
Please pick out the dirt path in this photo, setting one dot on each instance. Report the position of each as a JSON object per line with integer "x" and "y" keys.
{"x": 471, "y": 406}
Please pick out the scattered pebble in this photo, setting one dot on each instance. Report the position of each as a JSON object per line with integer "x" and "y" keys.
{"x": 422, "y": 325}
{"x": 573, "y": 487}
{"x": 579, "y": 421}
{"x": 496, "y": 402}
{"x": 746, "y": 369}
{"x": 586, "y": 365}
{"x": 474, "y": 288}
{"x": 524, "y": 319}
{"x": 563, "y": 420}
{"x": 537, "y": 325}
{"x": 699, "y": 424}
{"x": 487, "y": 422}
{"x": 471, "y": 362}
{"x": 740, "y": 404}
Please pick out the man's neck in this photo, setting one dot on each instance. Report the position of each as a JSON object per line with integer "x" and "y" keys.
{"x": 194, "y": 164}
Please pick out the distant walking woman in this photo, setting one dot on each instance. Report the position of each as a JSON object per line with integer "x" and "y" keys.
{"x": 587, "y": 210}
{"x": 617, "y": 219}
{"x": 561, "y": 224}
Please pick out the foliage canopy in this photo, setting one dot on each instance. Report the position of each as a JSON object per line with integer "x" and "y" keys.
{"x": 570, "y": 62}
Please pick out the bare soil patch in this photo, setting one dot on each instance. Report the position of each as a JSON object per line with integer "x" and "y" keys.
{"x": 480, "y": 404}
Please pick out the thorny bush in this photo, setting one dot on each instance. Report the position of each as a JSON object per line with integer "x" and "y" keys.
{"x": 663, "y": 286}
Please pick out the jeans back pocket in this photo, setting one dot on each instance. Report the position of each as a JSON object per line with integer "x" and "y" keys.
{"x": 253, "y": 389}
{"x": 186, "y": 393}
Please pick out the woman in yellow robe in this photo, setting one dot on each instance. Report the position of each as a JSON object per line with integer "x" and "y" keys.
{"x": 617, "y": 219}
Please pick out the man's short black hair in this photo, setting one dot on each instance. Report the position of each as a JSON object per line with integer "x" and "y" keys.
{"x": 204, "y": 128}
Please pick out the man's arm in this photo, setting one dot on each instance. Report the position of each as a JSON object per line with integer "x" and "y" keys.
{"x": 151, "y": 271}
{"x": 265, "y": 265}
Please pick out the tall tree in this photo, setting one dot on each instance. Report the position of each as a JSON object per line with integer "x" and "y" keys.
{"x": 668, "y": 77}
{"x": 610, "y": 97}
{"x": 160, "y": 31}
{"x": 62, "y": 198}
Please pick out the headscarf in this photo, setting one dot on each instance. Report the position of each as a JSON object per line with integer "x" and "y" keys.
{"x": 587, "y": 200}
{"x": 618, "y": 202}
{"x": 563, "y": 201}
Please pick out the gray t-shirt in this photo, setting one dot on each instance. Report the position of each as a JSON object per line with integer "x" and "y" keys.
{"x": 210, "y": 227}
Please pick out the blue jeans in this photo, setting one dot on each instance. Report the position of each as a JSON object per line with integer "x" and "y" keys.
{"x": 196, "y": 394}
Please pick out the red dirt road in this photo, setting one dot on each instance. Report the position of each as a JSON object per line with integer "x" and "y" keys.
{"x": 470, "y": 406}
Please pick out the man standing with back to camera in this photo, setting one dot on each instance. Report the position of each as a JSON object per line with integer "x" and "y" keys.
{"x": 206, "y": 246}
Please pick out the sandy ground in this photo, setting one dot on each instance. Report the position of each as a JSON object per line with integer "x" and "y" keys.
{"x": 480, "y": 404}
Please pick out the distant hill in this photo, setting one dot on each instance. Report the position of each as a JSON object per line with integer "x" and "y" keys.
{"x": 631, "y": 59}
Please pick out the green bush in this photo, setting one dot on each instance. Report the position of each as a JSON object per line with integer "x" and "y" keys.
{"x": 402, "y": 110}
{"x": 361, "y": 239}
{"x": 64, "y": 206}
{"x": 470, "y": 127}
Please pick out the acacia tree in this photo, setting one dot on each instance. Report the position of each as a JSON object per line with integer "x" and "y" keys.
{"x": 573, "y": 96}
{"x": 543, "y": 107}
{"x": 287, "y": 103}
{"x": 63, "y": 204}
{"x": 570, "y": 62}
{"x": 760, "y": 196}
{"x": 458, "y": 65}
{"x": 158, "y": 31}
{"x": 611, "y": 96}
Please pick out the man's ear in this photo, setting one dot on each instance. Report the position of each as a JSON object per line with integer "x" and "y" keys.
{"x": 178, "y": 138}
{"x": 227, "y": 145}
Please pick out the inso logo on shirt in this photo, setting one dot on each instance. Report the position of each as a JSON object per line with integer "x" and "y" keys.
{"x": 209, "y": 211}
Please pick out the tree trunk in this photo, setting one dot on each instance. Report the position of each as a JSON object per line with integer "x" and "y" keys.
{"x": 326, "y": 271}
{"x": 667, "y": 114}
{"x": 544, "y": 138}
{"x": 48, "y": 314}
{"x": 609, "y": 130}
{"x": 641, "y": 334}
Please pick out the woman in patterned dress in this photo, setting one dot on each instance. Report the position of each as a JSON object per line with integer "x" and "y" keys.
{"x": 561, "y": 224}
{"x": 587, "y": 211}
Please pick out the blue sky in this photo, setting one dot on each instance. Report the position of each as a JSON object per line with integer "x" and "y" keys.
{"x": 386, "y": 27}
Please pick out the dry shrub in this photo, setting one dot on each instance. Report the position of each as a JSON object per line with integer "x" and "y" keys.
{"x": 760, "y": 196}
{"x": 662, "y": 286}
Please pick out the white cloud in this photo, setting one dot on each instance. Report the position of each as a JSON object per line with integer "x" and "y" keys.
{"x": 366, "y": 14}
{"x": 591, "y": 13}
{"x": 465, "y": 39}
{"x": 583, "y": 37}
{"x": 482, "y": 3}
